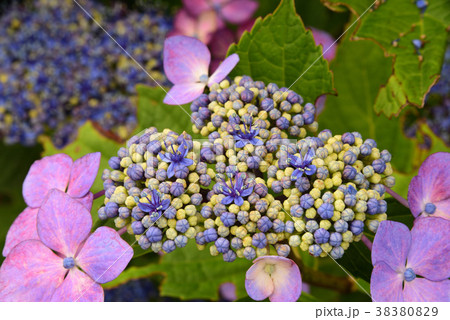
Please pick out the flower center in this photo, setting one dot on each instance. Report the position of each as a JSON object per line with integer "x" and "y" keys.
{"x": 68, "y": 263}
{"x": 430, "y": 208}
{"x": 409, "y": 275}
{"x": 269, "y": 268}
{"x": 204, "y": 78}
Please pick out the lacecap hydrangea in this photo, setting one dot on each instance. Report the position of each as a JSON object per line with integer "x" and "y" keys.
{"x": 259, "y": 181}
{"x": 155, "y": 189}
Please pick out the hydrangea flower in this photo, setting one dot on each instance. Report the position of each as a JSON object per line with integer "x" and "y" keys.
{"x": 52, "y": 172}
{"x": 232, "y": 11}
{"x": 276, "y": 278}
{"x": 66, "y": 262}
{"x": 302, "y": 165}
{"x": 247, "y": 136}
{"x": 400, "y": 256}
{"x": 235, "y": 193}
{"x": 186, "y": 63}
{"x": 155, "y": 206}
{"x": 429, "y": 191}
{"x": 177, "y": 159}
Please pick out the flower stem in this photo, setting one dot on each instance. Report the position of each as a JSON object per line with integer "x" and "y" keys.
{"x": 122, "y": 231}
{"x": 99, "y": 194}
{"x": 324, "y": 280}
{"x": 367, "y": 242}
{"x": 397, "y": 197}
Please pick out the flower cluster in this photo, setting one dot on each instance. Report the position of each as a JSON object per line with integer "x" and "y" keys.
{"x": 155, "y": 188}
{"x": 333, "y": 187}
{"x": 250, "y": 108}
{"x": 55, "y": 76}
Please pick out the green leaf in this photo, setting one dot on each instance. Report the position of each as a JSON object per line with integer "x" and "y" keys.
{"x": 398, "y": 212}
{"x": 279, "y": 49}
{"x": 393, "y": 25}
{"x": 413, "y": 75}
{"x": 357, "y": 82}
{"x": 191, "y": 274}
{"x": 152, "y": 112}
{"x": 358, "y": 7}
{"x": 357, "y": 261}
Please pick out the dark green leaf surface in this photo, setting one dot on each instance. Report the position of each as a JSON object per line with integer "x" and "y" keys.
{"x": 191, "y": 274}
{"x": 357, "y": 261}
{"x": 280, "y": 50}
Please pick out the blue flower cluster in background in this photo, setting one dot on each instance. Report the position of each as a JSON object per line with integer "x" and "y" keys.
{"x": 55, "y": 76}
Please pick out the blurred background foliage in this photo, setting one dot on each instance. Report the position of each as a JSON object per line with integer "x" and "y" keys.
{"x": 370, "y": 72}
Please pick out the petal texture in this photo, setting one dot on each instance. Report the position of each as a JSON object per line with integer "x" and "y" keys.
{"x": 63, "y": 223}
{"x": 52, "y": 172}
{"x": 87, "y": 200}
{"x": 104, "y": 255}
{"x": 435, "y": 185}
{"x": 287, "y": 281}
{"x": 415, "y": 196}
{"x": 258, "y": 283}
{"x": 185, "y": 59}
{"x": 386, "y": 284}
{"x": 23, "y": 228}
{"x": 78, "y": 287}
{"x": 391, "y": 245}
{"x": 184, "y": 93}
{"x": 31, "y": 272}
{"x": 224, "y": 69}
{"x": 84, "y": 171}
{"x": 429, "y": 255}
{"x": 424, "y": 290}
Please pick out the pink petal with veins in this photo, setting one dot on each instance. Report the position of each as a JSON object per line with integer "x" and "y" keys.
{"x": 23, "y": 228}
{"x": 183, "y": 93}
{"x": 185, "y": 59}
{"x": 386, "y": 284}
{"x": 63, "y": 223}
{"x": 434, "y": 186}
{"x": 104, "y": 255}
{"x": 429, "y": 255}
{"x": 224, "y": 69}
{"x": 415, "y": 200}
{"x": 258, "y": 283}
{"x": 31, "y": 272}
{"x": 52, "y": 172}
{"x": 287, "y": 281}
{"x": 391, "y": 245}
{"x": 83, "y": 174}
{"x": 87, "y": 201}
{"x": 424, "y": 290}
{"x": 239, "y": 11}
{"x": 78, "y": 287}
